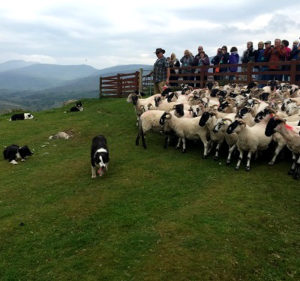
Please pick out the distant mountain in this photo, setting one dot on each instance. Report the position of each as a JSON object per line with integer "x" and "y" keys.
{"x": 39, "y": 91}
{"x": 54, "y": 71}
{"x": 14, "y": 64}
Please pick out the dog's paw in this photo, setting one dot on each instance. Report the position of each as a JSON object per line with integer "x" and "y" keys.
{"x": 14, "y": 162}
{"x": 93, "y": 176}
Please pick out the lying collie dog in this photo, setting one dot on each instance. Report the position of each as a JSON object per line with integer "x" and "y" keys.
{"x": 21, "y": 116}
{"x": 14, "y": 152}
{"x": 99, "y": 155}
{"x": 77, "y": 107}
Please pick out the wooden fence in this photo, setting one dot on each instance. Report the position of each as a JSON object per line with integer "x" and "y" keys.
{"x": 119, "y": 85}
{"x": 122, "y": 84}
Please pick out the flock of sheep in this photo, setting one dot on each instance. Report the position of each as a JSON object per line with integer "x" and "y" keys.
{"x": 247, "y": 118}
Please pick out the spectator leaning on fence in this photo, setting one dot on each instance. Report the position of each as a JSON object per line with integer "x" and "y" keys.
{"x": 201, "y": 59}
{"x": 295, "y": 55}
{"x": 233, "y": 59}
{"x": 274, "y": 54}
{"x": 287, "y": 57}
{"x": 259, "y": 57}
{"x": 161, "y": 71}
{"x": 215, "y": 61}
{"x": 248, "y": 56}
{"x": 174, "y": 62}
{"x": 224, "y": 60}
{"x": 187, "y": 62}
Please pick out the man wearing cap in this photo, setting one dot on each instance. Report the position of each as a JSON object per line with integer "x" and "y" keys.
{"x": 161, "y": 71}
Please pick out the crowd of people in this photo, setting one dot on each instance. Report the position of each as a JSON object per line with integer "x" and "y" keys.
{"x": 265, "y": 52}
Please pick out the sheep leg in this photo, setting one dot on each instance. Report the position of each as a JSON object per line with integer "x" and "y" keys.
{"x": 277, "y": 151}
{"x": 297, "y": 169}
{"x": 137, "y": 140}
{"x": 205, "y": 144}
{"x": 167, "y": 141}
{"x": 178, "y": 143}
{"x": 231, "y": 149}
{"x": 183, "y": 145}
{"x": 292, "y": 169}
{"x": 248, "y": 161}
{"x": 217, "y": 152}
{"x": 240, "y": 160}
{"x": 143, "y": 139}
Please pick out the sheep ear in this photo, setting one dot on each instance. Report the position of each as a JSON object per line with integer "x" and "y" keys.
{"x": 168, "y": 116}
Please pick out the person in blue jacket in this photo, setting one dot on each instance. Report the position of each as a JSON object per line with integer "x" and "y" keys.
{"x": 233, "y": 59}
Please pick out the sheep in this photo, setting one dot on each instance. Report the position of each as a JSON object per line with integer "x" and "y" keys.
{"x": 250, "y": 139}
{"x": 186, "y": 128}
{"x": 231, "y": 139}
{"x": 149, "y": 120}
{"x": 209, "y": 120}
{"x": 292, "y": 137}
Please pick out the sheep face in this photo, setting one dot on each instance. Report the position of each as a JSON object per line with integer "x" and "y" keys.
{"x": 242, "y": 112}
{"x": 272, "y": 124}
{"x": 262, "y": 114}
{"x": 205, "y": 116}
{"x": 234, "y": 127}
{"x": 179, "y": 109}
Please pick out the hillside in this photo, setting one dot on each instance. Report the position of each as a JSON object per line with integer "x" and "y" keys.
{"x": 156, "y": 215}
{"x": 41, "y": 86}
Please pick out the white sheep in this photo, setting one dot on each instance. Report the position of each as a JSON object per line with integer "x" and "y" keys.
{"x": 186, "y": 128}
{"x": 149, "y": 120}
{"x": 251, "y": 139}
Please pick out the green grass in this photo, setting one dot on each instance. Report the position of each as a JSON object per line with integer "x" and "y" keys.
{"x": 156, "y": 215}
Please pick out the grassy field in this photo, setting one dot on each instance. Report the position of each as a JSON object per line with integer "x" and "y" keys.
{"x": 157, "y": 215}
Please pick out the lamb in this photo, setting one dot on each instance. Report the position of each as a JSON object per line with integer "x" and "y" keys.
{"x": 186, "y": 128}
{"x": 292, "y": 137}
{"x": 149, "y": 120}
{"x": 250, "y": 139}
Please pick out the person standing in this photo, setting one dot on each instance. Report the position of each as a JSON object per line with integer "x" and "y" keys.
{"x": 224, "y": 60}
{"x": 274, "y": 54}
{"x": 248, "y": 56}
{"x": 161, "y": 71}
{"x": 259, "y": 57}
{"x": 233, "y": 59}
{"x": 215, "y": 61}
{"x": 287, "y": 57}
{"x": 187, "y": 62}
{"x": 174, "y": 62}
{"x": 201, "y": 59}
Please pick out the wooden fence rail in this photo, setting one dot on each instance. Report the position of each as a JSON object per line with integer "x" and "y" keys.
{"x": 121, "y": 85}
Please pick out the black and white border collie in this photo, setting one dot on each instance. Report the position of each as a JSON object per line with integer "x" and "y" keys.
{"x": 77, "y": 107}
{"x": 99, "y": 155}
{"x": 21, "y": 116}
{"x": 14, "y": 152}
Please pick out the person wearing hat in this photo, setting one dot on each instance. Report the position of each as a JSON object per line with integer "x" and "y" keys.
{"x": 161, "y": 71}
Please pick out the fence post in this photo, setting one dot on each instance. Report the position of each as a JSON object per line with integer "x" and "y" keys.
{"x": 141, "y": 80}
{"x": 202, "y": 69}
{"x": 293, "y": 72}
{"x": 249, "y": 72}
{"x": 119, "y": 85}
{"x": 100, "y": 87}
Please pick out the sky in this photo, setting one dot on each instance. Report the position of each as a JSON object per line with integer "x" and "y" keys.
{"x": 108, "y": 33}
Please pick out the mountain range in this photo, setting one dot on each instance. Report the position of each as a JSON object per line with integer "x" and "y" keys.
{"x": 36, "y": 86}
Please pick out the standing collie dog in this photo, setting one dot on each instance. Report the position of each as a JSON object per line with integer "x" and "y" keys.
{"x": 99, "y": 155}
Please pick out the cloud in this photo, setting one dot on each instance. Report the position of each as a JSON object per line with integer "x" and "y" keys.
{"x": 103, "y": 34}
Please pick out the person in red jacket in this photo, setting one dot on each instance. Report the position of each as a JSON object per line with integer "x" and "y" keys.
{"x": 274, "y": 54}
